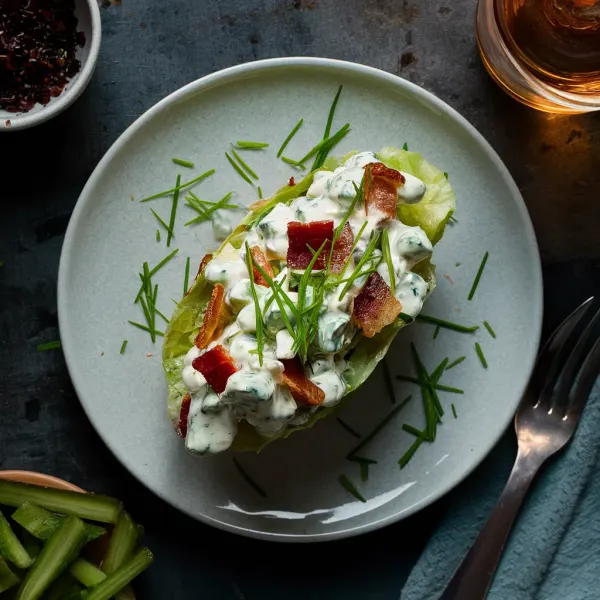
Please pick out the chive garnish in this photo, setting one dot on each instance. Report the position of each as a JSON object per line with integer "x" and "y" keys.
{"x": 323, "y": 155}
{"x": 239, "y": 169}
{"x": 244, "y": 164}
{"x": 157, "y": 235}
{"x": 360, "y": 459}
{"x": 451, "y": 218}
{"x": 456, "y": 362}
{"x": 431, "y": 402}
{"x": 324, "y": 142}
{"x": 260, "y": 333}
{"x": 489, "y": 328}
{"x": 289, "y": 137}
{"x": 161, "y": 315}
{"x": 181, "y": 187}
{"x": 352, "y": 454}
{"x": 186, "y": 278}
{"x": 205, "y": 214}
{"x": 260, "y": 194}
{"x": 123, "y": 346}
{"x": 446, "y": 324}
{"x": 361, "y": 262}
{"x": 478, "y": 276}
{"x": 243, "y": 145}
{"x": 249, "y": 479}
{"x": 481, "y": 355}
{"x": 173, "y": 211}
{"x": 405, "y": 147}
{"x": 405, "y": 459}
{"x": 49, "y": 346}
{"x": 328, "y": 144}
{"x": 144, "y": 328}
{"x": 436, "y": 332}
{"x": 356, "y": 240}
{"x": 445, "y": 175}
{"x": 161, "y": 221}
{"x": 387, "y": 379}
{"x": 387, "y": 257}
{"x": 350, "y": 487}
{"x": 454, "y": 411}
{"x": 437, "y": 386}
{"x": 184, "y": 163}
{"x": 294, "y": 163}
{"x": 437, "y": 373}
{"x": 412, "y": 430}
{"x": 348, "y": 428}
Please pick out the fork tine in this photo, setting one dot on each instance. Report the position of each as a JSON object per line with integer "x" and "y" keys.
{"x": 587, "y": 378}
{"x": 547, "y": 364}
{"x": 571, "y": 368}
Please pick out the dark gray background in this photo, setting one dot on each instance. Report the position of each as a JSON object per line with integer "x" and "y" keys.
{"x": 151, "y": 48}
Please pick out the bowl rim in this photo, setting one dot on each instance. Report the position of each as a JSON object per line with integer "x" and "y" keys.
{"x": 26, "y": 120}
{"x": 39, "y": 479}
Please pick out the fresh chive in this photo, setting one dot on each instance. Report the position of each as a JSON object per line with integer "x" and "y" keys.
{"x": 329, "y": 144}
{"x": 454, "y": 411}
{"x": 361, "y": 262}
{"x": 437, "y": 386}
{"x": 163, "y": 262}
{"x": 11, "y": 547}
{"x": 445, "y": 175}
{"x": 406, "y": 317}
{"x": 360, "y": 459}
{"x": 356, "y": 240}
{"x": 387, "y": 257}
{"x": 289, "y": 137}
{"x": 181, "y": 186}
{"x": 456, "y": 362}
{"x": 260, "y": 333}
{"x": 412, "y": 430}
{"x": 157, "y": 235}
{"x": 324, "y": 142}
{"x": 260, "y": 194}
{"x": 364, "y": 471}
{"x": 161, "y": 315}
{"x": 481, "y": 355}
{"x": 322, "y": 156}
{"x": 451, "y": 218}
{"x": 243, "y": 145}
{"x": 294, "y": 163}
{"x": 123, "y": 346}
{"x": 378, "y": 428}
{"x": 204, "y": 204}
{"x": 173, "y": 211}
{"x": 144, "y": 328}
{"x": 489, "y": 328}
{"x": 248, "y": 479}
{"x": 387, "y": 380}
{"x": 478, "y": 276}
{"x": 186, "y": 278}
{"x": 446, "y": 324}
{"x": 160, "y": 220}
{"x": 436, "y": 332}
{"x": 206, "y": 215}
{"x": 348, "y": 428}
{"x": 184, "y": 163}
{"x": 244, "y": 164}
{"x": 437, "y": 373}
{"x": 405, "y": 459}
{"x": 405, "y": 147}
{"x": 350, "y": 487}
{"x": 49, "y": 346}
{"x": 431, "y": 402}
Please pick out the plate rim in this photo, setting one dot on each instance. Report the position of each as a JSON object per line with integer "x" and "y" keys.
{"x": 240, "y": 71}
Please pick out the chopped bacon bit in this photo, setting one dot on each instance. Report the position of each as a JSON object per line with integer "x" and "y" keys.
{"x": 303, "y": 390}
{"x": 215, "y": 318}
{"x": 292, "y": 182}
{"x": 217, "y": 366}
{"x": 261, "y": 260}
{"x": 184, "y": 413}
{"x": 207, "y": 258}
{"x": 375, "y": 306}
{"x": 381, "y": 188}
{"x": 301, "y": 236}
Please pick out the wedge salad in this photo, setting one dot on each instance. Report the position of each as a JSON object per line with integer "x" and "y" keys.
{"x": 299, "y": 304}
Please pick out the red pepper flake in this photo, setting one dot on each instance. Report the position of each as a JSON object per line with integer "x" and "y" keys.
{"x": 38, "y": 43}
{"x": 292, "y": 182}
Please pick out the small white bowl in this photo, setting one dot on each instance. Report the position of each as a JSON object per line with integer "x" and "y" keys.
{"x": 88, "y": 16}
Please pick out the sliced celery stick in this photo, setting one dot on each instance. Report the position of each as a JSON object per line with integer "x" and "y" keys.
{"x": 121, "y": 544}
{"x": 85, "y": 506}
{"x": 30, "y": 544}
{"x": 61, "y": 587}
{"x": 87, "y": 573}
{"x": 57, "y": 554}
{"x": 7, "y": 578}
{"x": 10, "y": 546}
{"x": 121, "y": 577}
{"x": 41, "y": 523}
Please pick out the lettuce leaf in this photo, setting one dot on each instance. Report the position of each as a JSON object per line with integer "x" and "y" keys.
{"x": 431, "y": 214}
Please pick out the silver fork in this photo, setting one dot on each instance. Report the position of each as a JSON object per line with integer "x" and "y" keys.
{"x": 546, "y": 420}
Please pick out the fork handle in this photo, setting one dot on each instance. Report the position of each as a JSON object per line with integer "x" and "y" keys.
{"x": 475, "y": 574}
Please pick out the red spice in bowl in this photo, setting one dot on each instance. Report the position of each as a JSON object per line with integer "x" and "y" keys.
{"x": 38, "y": 44}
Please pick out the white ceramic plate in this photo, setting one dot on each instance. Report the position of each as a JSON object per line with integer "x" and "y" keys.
{"x": 110, "y": 236}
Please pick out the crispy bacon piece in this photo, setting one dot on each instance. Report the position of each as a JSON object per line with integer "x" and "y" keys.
{"x": 184, "y": 413}
{"x": 292, "y": 182}
{"x": 261, "y": 260}
{"x": 216, "y": 366}
{"x": 375, "y": 306}
{"x": 207, "y": 258}
{"x": 381, "y": 188}
{"x": 303, "y": 390}
{"x": 215, "y": 318}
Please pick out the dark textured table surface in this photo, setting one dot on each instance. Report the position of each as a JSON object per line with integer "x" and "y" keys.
{"x": 151, "y": 48}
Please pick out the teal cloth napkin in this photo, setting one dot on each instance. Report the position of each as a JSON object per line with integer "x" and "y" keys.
{"x": 554, "y": 549}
